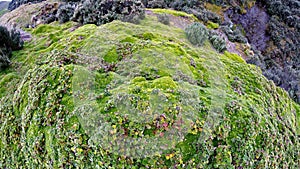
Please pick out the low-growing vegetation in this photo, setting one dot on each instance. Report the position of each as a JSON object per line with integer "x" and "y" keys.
{"x": 106, "y": 93}
{"x": 148, "y": 68}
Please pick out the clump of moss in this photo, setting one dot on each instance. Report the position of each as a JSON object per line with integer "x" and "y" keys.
{"x": 234, "y": 57}
{"x": 212, "y": 25}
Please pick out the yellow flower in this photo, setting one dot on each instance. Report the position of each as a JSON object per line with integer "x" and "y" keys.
{"x": 167, "y": 157}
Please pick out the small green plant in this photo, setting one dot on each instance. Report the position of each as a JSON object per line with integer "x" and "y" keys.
{"x": 65, "y": 12}
{"x": 218, "y": 42}
{"x": 163, "y": 18}
{"x": 196, "y": 33}
{"x": 234, "y": 34}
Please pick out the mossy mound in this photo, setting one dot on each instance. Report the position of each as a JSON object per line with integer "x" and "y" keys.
{"x": 73, "y": 96}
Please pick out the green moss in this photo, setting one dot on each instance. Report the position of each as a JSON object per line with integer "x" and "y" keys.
{"x": 148, "y": 36}
{"x": 8, "y": 77}
{"x": 129, "y": 39}
{"x": 111, "y": 56}
{"x": 138, "y": 79}
{"x": 212, "y": 25}
{"x": 6, "y": 81}
{"x": 41, "y": 29}
{"x": 164, "y": 83}
{"x": 234, "y": 57}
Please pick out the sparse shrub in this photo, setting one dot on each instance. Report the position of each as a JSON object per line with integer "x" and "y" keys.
{"x": 163, "y": 18}
{"x": 286, "y": 10}
{"x": 234, "y": 34}
{"x": 65, "y": 12}
{"x": 9, "y": 41}
{"x": 196, "y": 33}
{"x": 196, "y": 8}
{"x": 218, "y": 42}
{"x": 46, "y": 15}
{"x": 203, "y": 14}
{"x": 175, "y": 4}
{"x": 242, "y": 3}
{"x": 104, "y": 11}
{"x": 274, "y": 31}
{"x": 181, "y": 4}
{"x": 156, "y": 3}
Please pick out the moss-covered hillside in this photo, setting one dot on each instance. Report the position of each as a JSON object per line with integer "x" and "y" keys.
{"x": 123, "y": 95}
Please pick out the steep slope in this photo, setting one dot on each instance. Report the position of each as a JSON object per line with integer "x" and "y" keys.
{"x": 139, "y": 96}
